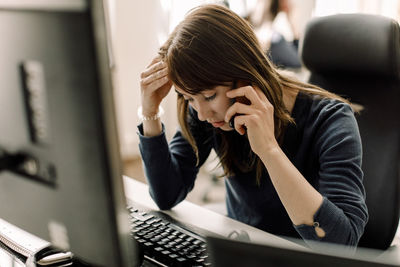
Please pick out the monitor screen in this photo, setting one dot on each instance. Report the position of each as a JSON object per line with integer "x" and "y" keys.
{"x": 60, "y": 173}
{"x": 227, "y": 252}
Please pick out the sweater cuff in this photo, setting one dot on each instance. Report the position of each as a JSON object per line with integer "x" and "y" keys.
{"x": 326, "y": 218}
{"x": 151, "y": 142}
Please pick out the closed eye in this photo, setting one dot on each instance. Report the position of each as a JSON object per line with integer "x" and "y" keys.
{"x": 189, "y": 99}
{"x": 209, "y": 98}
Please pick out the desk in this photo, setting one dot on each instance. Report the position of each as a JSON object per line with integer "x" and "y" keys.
{"x": 214, "y": 222}
{"x": 198, "y": 216}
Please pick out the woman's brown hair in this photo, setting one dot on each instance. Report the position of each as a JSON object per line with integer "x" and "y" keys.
{"x": 214, "y": 46}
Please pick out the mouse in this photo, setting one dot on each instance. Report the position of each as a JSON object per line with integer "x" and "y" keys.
{"x": 242, "y": 235}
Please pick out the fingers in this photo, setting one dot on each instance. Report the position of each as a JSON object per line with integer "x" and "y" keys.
{"x": 247, "y": 114}
{"x": 155, "y": 60}
{"x": 156, "y": 67}
{"x": 240, "y": 123}
{"x": 249, "y": 92}
{"x": 244, "y": 123}
{"x": 153, "y": 76}
{"x": 238, "y": 108}
{"x": 157, "y": 83}
{"x": 243, "y": 114}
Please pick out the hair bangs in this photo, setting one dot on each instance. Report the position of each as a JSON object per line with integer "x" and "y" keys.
{"x": 194, "y": 67}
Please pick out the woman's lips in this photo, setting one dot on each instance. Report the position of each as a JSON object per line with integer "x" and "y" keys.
{"x": 218, "y": 124}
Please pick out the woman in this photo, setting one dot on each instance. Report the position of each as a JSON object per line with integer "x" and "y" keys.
{"x": 293, "y": 157}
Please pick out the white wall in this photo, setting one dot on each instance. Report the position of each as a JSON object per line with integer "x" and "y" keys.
{"x": 138, "y": 29}
{"x": 388, "y": 8}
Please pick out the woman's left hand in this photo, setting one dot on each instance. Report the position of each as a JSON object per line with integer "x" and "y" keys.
{"x": 256, "y": 118}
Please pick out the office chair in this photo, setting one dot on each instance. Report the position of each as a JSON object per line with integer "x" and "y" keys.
{"x": 358, "y": 56}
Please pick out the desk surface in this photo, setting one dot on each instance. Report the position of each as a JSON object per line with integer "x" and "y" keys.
{"x": 198, "y": 216}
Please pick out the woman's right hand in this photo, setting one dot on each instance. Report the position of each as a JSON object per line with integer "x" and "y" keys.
{"x": 154, "y": 85}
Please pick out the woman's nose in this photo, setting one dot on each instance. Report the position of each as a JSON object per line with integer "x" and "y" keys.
{"x": 202, "y": 112}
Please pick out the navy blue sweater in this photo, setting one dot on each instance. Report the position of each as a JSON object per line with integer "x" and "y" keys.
{"x": 324, "y": 144}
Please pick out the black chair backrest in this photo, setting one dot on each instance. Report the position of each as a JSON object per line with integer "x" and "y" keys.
{"x": 358, "y": 56}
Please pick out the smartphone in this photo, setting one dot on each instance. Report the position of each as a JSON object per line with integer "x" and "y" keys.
{"x": 232, "y": 120}
{"x": 242, "y": 100}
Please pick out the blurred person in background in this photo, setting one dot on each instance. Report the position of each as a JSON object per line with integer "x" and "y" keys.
{"x": 282, "y": 53}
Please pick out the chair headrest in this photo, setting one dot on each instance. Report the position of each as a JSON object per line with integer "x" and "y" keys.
{"x": 352, "y": 44}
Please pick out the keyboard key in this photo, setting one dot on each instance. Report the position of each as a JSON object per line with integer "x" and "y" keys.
{"x": 172, "y": 243}
{"x": 165, "y": 223}
{"x": 191, "y": 256}
{"x": 185, "y": 243}
{"x": 197, "y": 242}
{"x": 175, "y": 232}
{"x": 141, "y": 217}
{"x": 167, "y": 246}
{"x": 183, "y": 236}
{"x": 178, "y": 240}
{"x": 164, "y": 234}
{"x": 138, "y": 223}
{"x": 148, "y": 236}
{"x": 161, "y": 243}
{"x": 166, "y": 252}
{"x": 153, "y": 221}
{"x": 181, "y": 260}
{"x": 156, "y": 238}
{"x": 173, "y": 256}
{"x": 148, "y": 244}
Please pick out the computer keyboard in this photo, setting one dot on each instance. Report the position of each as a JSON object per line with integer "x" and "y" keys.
{"x": 167, "y": 242}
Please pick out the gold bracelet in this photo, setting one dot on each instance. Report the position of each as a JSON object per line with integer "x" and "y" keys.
{"x": 150, "y": 118}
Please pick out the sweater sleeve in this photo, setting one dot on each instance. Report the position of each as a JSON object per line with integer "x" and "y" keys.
{"x": 343, "y": 213}
{"x": 171, "y": 169}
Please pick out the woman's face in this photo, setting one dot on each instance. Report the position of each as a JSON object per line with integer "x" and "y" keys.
{"x": 211, "y": 105}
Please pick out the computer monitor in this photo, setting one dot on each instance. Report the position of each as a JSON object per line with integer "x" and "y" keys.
{"x": 227, "y": 253}
{"x": 60, "y": 175}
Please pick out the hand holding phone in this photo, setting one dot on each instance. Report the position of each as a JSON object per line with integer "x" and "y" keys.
{"x": 242, "y": 100}
{"x": 253, "y": 116}
{"x": 232, "y": 120}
